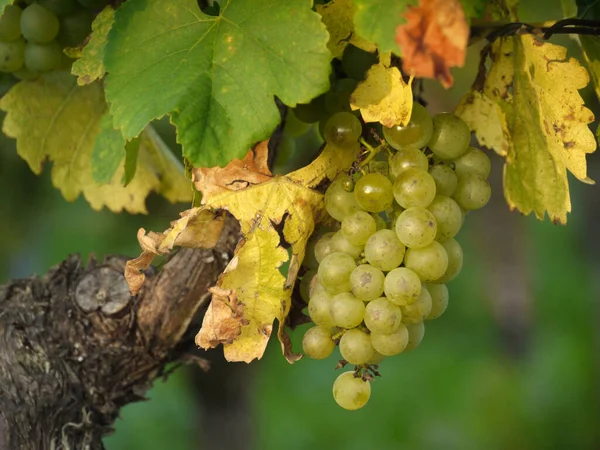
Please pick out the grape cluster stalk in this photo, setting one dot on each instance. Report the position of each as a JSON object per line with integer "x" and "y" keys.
{"x": 376, "y": 275}
{"x": 33, "y": 34}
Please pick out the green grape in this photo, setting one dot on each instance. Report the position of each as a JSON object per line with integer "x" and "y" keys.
{"x": 319, "y": 310}
{"x": 75, "y": 27}
{"x": 323, "y": 247}
{"x": 472, "y": 192}
{"x": 338, "y": 202}
{"x": 43, "y": 57}
{"x": 358, "y": 227}
{"x": 38, "y": 25}
{"x": 415, "y": 313}
{"x": 10, "y": 23}
{"x": 474, "y": 162}
{"x": 346, "y": 310}
{"x": 93, "y": 4}
{"x": 355, "y": 347}
{"x": 408, "y": 157}
{"x": 384, "y": 250}
{"x": 305, "y": 284}
{"x": 439, "y": 300}
{"x": 416, "y": 133}
{"x": 26, "y": 74}
{"x": 415, "y": 335}
{"x": 317, "y": 343}
{"x": 294, "y": 127}
{"x": 414, "y": 187}
{"x": 373, "y": 192}
{"x": 311, "y": 112}
{"x": 316, "y": 287}
{"x": 450, "y": 137}
{"x": 284, "y": 160}
{"x": 416, "y": 227}
{"x": 445, "y": 179}
{"x": 382, "y": 316}
{"x": 12, "y": 55}
{"x": 429, "y": 263}
{"x": 59, "y": 7}
{"x": 366, "y": 282}
{"x": 356, "y": 62}
{"x": 340, "y": 244}
{"x": 351, "y": 393}
{"x": 402, "y": 286}
{"x": 310, "y": 260}
{"x": 342, "y": 129}
{"x": 448, "y": 216}
{"x": 455, "y": 260}
{"x": 338, "y": 98}
{"x": 390, "y": 344}
{"x": 334, "y": 272}
{"x": 376, "y": 358}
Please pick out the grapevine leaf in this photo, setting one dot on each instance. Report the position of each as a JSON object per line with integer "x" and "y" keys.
{"x": 132, "y": 150}
{"x": 434, "y": 39}
{"x": 338, "y": 17}
{"x": 539, "y": 122}
{"x": 588, "y": 9}
{"x": 377, "y": 20}
{"x": 67, "y": 122}
{"x": 90, "y": 67}
{"x": 215, "y": 75}
{"x": 473, "y": 8}
{"x": 591, "y": 52}
{"x": 383, "y": 97}
{"x": 108, "y": 151}
{"x": 3, "y": 4}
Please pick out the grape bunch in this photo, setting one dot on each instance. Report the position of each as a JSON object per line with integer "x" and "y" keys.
{"x": 33, "y": 34}
{"x": 381, "y": 271}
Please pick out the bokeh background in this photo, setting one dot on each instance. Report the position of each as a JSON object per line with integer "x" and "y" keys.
{"x": 514, "y": 362}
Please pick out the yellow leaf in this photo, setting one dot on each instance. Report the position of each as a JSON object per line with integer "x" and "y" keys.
{"x": 53, "y": 118}
{"x": 90, "y": 66}
{"x": 383, "y": 96}
{"x": 529, "y": 110}
{"x": 338, "y": 16}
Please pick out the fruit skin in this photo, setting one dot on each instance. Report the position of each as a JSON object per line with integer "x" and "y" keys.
{"x": 351, "y": 393}
{"x": 390, "y": 344}
{"x": 317, "y": 343}
{"x": 10, "y": 23}
{"x": 12, "y": 55}
{"x": 38, "y": 25}
{"x": 472, "y": 192}
{"x": 384, "y": 250}
{"x": 373, "y": 192}
{"x": 416, "y": 133}
{"x": 429, "y": 263}
{"x": 355, "y": 347}
{"x": 414, "y": 187}
{"x": 450, "y": 137}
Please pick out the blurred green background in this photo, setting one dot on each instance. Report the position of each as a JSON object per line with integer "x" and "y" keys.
{"x": 514, "y": 362}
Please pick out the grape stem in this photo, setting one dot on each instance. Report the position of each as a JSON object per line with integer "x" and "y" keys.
{"x": 372, "y": 152}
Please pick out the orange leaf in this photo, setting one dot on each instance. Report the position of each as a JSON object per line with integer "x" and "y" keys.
{"x": 223, "y": 320}
{"x": 433, "y": 39}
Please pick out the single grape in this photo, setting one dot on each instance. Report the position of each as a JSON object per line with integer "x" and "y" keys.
{"x": 346, "y": 310}
{"x": 340, "y": 244}
{"x": 316, "y": 287}
{"x": 10, "y": 23}
{"x": 59, "y": 7}
{"x": 75, "y": 27}
{"x": 402, "y": 286}
{"x": 416, "y": 227}
{"x": 340, "y": 203}
{"x": 472, "y": 192}
{"x": 445, "y": 179}
{"x": 474, "y": 162}
{"x": 26, "y": 74}
{"x": 408, "y": 157}
{"x": 334, "y": 272}
{"x": 415, "y": 335}
{"x": 455, "y": 260}
{"x": 358, "y": 227}
{"x": 12, "y": 55}
{"x": 323, "y": 247}
{"x": 338, "y": 97}
{"x": 294, "y": 127}
{"x": 415, "y": 313}
{"x": 439, "y": 300}
{"x": 342, "y": 129}
{"x": 356, "y": 62}
{"x": 311, "y": 112}
{"x": 319, "y": 309}
{"x": 351, "y": 393}
{"x": 38, "y": 25}
{"x": 382, "y": 316}
{"x": 305, "y": 284}
{"x": 317, "y": 343}
{"x": 429, "y": 263}
{"x": 450, "y": 137}
{"x": 390, "y": 344}
{"x": 448, "y": 216}
{"x": 355, "y": 347}
{"x": 43, "y": 57}
{"x": 414, "y": 187}
{"x": 373, "y": 192}
{"x": 366, "y": 282}
{"x": 384, "y": 250}
{"x": 416, "y": 133}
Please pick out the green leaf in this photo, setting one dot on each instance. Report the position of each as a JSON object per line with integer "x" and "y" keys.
{"x": 108, "y": 151}
{"x": 132, "y": 150}
{"x": 215, "y": 75}
{"x": 591, "y": 51}
{"x": 588, "y": 9}
{"x": 377, "y": 20}
{"x": 473, "y": 8}
{"x": 90, "y": 66}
